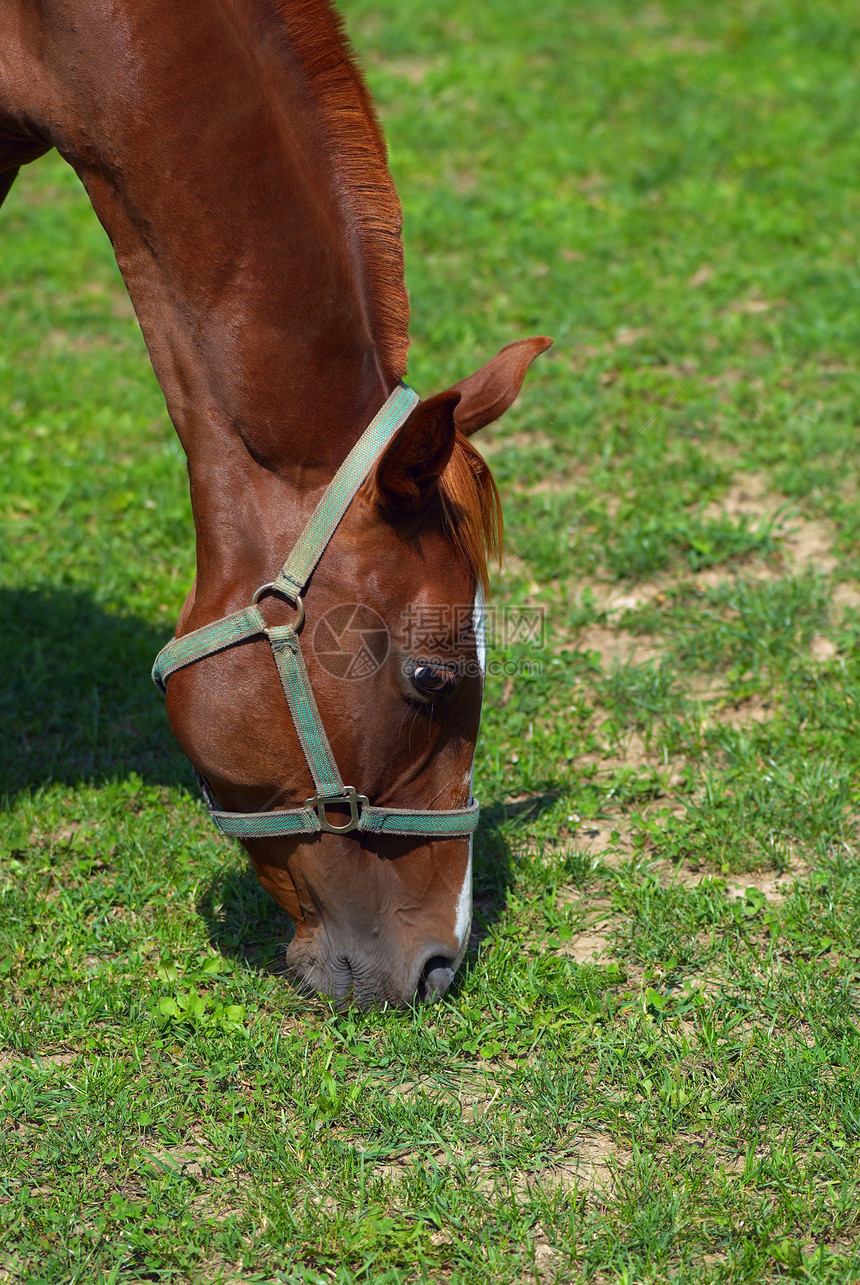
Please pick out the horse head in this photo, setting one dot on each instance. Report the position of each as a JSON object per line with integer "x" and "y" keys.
{"x": 392, "y": 644}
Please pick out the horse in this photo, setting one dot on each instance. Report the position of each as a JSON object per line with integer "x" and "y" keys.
{"x": 231, "y": 151}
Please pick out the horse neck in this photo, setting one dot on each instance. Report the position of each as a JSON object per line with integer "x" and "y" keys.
{"x": 229, "y": 234}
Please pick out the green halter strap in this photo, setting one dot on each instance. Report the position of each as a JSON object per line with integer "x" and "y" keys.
{"x": 249, "y": 623}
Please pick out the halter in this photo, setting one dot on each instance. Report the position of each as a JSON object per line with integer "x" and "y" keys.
{"x": 241, "y": 626}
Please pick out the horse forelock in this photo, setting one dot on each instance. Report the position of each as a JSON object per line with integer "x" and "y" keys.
{"x": 472, "y": 508}
{"x": 357, "y": 152}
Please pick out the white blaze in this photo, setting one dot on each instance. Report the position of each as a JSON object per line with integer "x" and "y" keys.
{"x": 479, "y": 625}
{"x": 464, "y": 902}
{"x": 464, "y": 909}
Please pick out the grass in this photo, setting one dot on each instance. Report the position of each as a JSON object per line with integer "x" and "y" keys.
{"x": 648, "y": 1070}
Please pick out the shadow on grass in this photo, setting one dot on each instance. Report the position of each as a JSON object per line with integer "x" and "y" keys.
{"x": 76, "y": 700}
{"x": 494, "y": 869}
{"x": 244, "y": 923}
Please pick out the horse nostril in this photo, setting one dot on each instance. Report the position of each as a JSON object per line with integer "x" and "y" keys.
{"x": 436, "y": 976}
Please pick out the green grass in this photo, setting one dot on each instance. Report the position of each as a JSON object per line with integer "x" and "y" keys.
{"x": 671, "y": 192}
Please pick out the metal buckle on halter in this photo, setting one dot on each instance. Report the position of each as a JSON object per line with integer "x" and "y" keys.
{"x": 349, "y": 796}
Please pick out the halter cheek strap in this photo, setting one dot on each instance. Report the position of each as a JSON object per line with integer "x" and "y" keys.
{"x": 249, "y": 623}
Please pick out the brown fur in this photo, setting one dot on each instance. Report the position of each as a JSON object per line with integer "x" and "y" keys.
{"x": 357, "y": 152}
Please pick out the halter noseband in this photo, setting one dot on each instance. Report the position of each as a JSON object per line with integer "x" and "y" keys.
{"x": 241, "y": 626}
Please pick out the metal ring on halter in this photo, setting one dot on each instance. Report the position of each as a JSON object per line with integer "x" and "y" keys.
{"x": 297, "y": 603}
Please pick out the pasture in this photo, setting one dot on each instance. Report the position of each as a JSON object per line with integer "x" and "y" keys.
{"x": 648, "y": 1069}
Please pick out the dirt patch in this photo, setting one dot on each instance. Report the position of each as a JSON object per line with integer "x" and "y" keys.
{"x": 748, "y": 497}
{"x": 39, "y": 1060}
{"x": 190, "y": 1161}
{"x": 413, "y": 1088}
{"x": 477, "y": 1107}
{"x": 808, "y": 545}
{"x": 546, "y": 1260}
{"x": 567, "y": 485}
{"x": 594, "y": 838}
{"x": 591, "y": 942}
{"x": 628, "y": 335}
{"x": 821, "y": 648}
{"x": 740, "y": 714}
{"x": 774, "y": 885}
{"x": 845, "y": 597}
{"x": 522, "y": 441}
{"x": 189, "y": 1158}
{"x": 589, "y": 947}
{"x": 701, "y": 276}
{"x": 57, "y": 1059}
{"x": 65, "y": 832}
{"x": 616, "y": 598}
{"x": 515, "y": 568}
{"x": 588, "y": 1167}
{"x": 633, "y": 755}
{"x": 606, "y": 842}
{"x": 754, "y": 305}
{"x": 618, "y": 646}
{"x": 690, "y": 45}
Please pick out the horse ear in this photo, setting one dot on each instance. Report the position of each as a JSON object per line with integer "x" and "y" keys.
{"x": 417, "y": 454}
{"x": 488, "y": 393}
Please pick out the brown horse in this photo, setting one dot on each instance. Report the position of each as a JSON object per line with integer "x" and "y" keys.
{"x": 230, "y": 149}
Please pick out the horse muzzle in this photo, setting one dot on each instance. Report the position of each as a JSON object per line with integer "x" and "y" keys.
{"x": 372, "y": 973}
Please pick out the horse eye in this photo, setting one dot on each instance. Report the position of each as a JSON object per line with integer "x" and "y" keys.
{"x": 431, "y": 680}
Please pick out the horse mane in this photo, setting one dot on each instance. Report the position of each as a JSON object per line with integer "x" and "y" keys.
{"x": 358, "y": 154}
{"x": 356, "y": 149}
